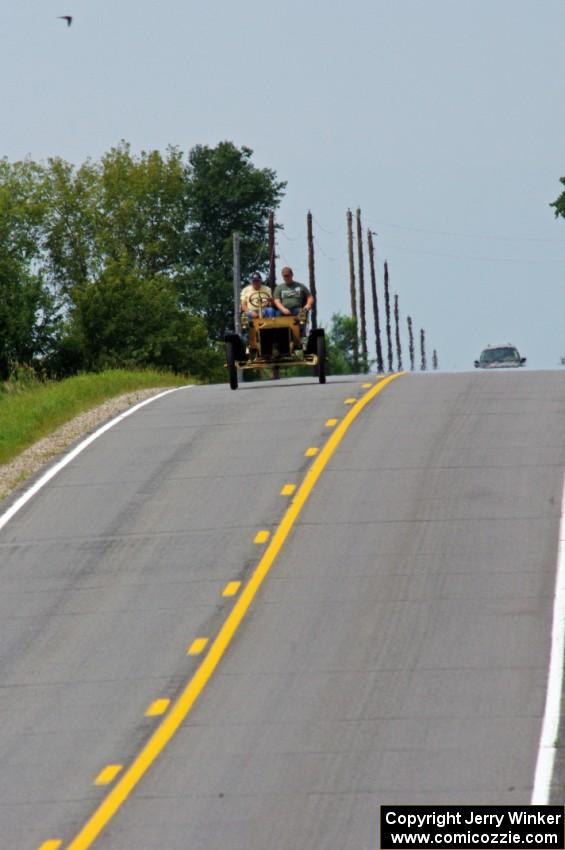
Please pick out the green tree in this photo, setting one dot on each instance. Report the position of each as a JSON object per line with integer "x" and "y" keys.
{"x": 124, "y": 209}
{"x": 157, "y": 214}
{"x": 28, "y": 312}
{"x": 128, "y": 321}
{"x": 559, "y": 204}
{"x": 341, "y": 343}
{"x": 226, "y": 193}
{"x": 149, "y": 232}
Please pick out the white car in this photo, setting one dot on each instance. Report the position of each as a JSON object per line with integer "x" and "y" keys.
{"x": 500, "y": 357}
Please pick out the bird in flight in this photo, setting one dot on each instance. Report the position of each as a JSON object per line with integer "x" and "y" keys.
{"x": 67, "y": 18}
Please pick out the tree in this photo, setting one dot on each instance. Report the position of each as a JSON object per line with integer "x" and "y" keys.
{"x": 145, "y": 232}
{"x": 28, "y": 310}
{"x": 128, "y": 321}
{"x": 559, "y": 204}
{"x": 226, "y": 193}
{"x": 125, "y": 209}
{"x": 341, "y": 345}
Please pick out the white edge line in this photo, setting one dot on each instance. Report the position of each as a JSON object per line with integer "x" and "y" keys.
{"x": 550, "y": 727}
{"x": 66, "y": 459}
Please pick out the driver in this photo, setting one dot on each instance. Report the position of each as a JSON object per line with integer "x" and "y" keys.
{"x": 256, "y": 285}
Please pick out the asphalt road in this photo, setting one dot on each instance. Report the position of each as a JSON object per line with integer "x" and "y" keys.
{"x": 396, "y": 653}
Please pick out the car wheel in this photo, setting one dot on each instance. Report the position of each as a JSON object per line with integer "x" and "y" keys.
{"x": 321, "y": 353}
{"x": 232, "y": 368}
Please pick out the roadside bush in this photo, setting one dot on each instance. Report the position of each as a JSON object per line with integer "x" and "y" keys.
{"x": 125, "y": 321}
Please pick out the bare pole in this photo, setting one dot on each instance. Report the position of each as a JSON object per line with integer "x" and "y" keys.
{"x": 435, "y": 362}
{"x": 387, "y": 311}
{"x": 272, "y": 255}
{"x": 423, "y": 364}
{"x": 410, "y": 343}
{"x": 312, "y": 271}
{"x": 397, "y": 332}
{"x": 361, "y": 266}
{"x": 236, "y": 282}
{"x": 352, "y": 291}
{"x": 380, "y": 364}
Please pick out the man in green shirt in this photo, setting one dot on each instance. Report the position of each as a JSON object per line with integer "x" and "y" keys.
{"x": 291, "y": 297}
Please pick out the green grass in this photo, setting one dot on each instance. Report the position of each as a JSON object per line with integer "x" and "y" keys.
{"x": 31, "y": 410}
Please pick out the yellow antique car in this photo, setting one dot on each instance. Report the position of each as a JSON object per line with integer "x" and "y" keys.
{"x": 275, "y": 343}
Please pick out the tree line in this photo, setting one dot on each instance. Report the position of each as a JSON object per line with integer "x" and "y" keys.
{"x": 127, "y": 261}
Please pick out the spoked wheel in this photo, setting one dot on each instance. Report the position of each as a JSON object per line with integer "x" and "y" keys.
{"x": 232, "y": 368}
{"x": 321, "y": 353}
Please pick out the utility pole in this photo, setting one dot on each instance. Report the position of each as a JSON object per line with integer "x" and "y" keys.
{"x": 387, "y": 310}
{"x": 237, "y": 290}
{"x": 361, "y": 265}
{"x": 272, "y": 256}
{"x": 380, "y": 364}
{"x": 352, "y": 291}
{"x": 312, "y": 271}
{"x": 397, "y": 330}
{"x": 236, "y": 282}
{"x": 410, "y": 343}
{"x": 435, "y": 362}
{"x": 423, "y": 365}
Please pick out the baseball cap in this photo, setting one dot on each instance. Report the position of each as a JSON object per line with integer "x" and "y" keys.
{"x": 256, "y": 276}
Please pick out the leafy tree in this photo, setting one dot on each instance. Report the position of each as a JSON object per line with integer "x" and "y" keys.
{"x": 559, "y": 204}
{"x": 128, "y": 321}
{"x": 110, "y": 240}
{"x": 226, "y": 193}
{"x": 125, "y": 209}
{"x": 28, "y": 315}
{"x": 341, "y": 343}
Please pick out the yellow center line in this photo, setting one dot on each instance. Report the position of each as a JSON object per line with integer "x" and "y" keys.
{"x": 312, "y": 451}
{"x": 158, "y": 707}
{"x": 262, "y": 536}
{"x": 108, "y": 774}
{"x": 330, "y": 423}
{"x": 52, "y": 844}
{"x": 179, "y": 711}
{"x": 231, "y": 588}
{"x": 288, "y": 490}
{"x": 197, "y": 646}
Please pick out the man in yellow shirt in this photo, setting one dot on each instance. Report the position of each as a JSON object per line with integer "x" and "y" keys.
{"x": 256, "y": 285}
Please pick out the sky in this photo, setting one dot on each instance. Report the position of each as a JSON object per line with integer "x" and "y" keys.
{"x": 443, "y": 121}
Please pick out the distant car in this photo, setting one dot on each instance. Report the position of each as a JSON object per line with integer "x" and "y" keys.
{"x": 499, "y": 357}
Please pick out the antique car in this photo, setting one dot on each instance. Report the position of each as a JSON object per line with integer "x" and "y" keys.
{"x": 274, "y": 343}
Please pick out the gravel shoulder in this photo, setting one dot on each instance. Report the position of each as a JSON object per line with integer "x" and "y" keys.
{"x": 27, "y": 463}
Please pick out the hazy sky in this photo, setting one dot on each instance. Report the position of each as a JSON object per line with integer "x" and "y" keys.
{"x": 444, "y": 121}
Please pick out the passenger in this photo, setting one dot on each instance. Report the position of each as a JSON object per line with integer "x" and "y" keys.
{"x": 256, "y": 285}
{"x": 291, "y": 297}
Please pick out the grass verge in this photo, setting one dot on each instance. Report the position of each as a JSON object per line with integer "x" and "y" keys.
{"x": 34, "y": 410}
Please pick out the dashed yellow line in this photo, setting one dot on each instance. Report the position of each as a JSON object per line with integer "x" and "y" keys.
{"x": 181, "y": 708}
{"x": 330, "y": 423}
{"x": 262, "y": 536}
{"x": 52, "y": 844}
{"x": 108, "y": 774}
{"x": 312, "y": 451}
{"x": 158, "y": 707}
{"x": 350, "y": 401}
{"x": 231, "y": 588}
{"x": 197, "y": 646}
{"x": 288, "y": 490}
